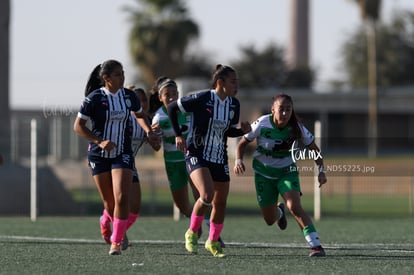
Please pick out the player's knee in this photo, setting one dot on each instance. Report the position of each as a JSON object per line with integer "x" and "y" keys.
{"x": 205, "y": 202}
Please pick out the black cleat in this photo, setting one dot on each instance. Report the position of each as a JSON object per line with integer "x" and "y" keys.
{"x": 282, "y": 222}
{"x": 317, "y": 251}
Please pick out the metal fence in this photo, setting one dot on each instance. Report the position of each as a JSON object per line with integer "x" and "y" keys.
{"x": 61, "y": 169}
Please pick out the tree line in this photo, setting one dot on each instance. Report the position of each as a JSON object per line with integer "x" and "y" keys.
{"x": 162, "y": 32}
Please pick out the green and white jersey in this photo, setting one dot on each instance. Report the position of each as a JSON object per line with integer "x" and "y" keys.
{"x": 171, "y": 153}
{"x": 273, "y": 145}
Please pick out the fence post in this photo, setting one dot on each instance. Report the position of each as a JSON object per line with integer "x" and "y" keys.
{"x": 14, "y": 142}
{"x": 411, "y": 195}
{"x": 153, "y": 192}
{"x": 33, "y": 169}
{"x": 316, "y": 189}
{"x": 176, "y": 213}
{"x": 348, "y": 193}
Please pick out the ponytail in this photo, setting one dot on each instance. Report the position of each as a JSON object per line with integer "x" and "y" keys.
{"x": 95, "y": 80}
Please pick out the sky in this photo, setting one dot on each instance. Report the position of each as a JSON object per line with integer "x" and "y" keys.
{"x": 56, "y": 44}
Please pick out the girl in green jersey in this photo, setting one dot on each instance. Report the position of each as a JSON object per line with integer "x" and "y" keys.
{"x": 274, "y": 165}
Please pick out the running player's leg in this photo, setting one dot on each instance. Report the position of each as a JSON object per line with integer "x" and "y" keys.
{"x": 178, "y": 180}
{"x": 121, "y": 173}
{"x": 220, "y": 175}
{"x": 293, "y": 203}
{"x": 103, "y": 183}
{"x": 205, "y": 186}
{"x": 267, "y": 195}
{"x": 100, "y": 169}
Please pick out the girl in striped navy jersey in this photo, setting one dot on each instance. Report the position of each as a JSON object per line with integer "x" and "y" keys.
{"x": 214, "y": 117}
{"x": 164, "y": 92}
{"x": 108, "y": 105}
{"x": 138, "y": 138}
{"x": 275, "y": 170}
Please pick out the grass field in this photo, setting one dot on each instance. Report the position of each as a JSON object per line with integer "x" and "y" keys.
{"x": 357, "y": 205}
{"x": 72, "y": 245}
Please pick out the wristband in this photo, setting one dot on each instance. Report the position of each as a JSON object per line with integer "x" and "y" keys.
{"x": 238, "y": 161}
{"x": 321, "y": 169}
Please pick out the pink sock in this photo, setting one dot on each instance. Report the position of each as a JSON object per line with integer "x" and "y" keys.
{"x": 215, "y": 231}
{"x": 131, "y": 219}
{"x": 195, "y": 222}
{"x": 106, "y": 218}
{"x": 120, "y": 227}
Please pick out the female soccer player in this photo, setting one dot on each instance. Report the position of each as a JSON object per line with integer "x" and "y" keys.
{"x": 165, "y": 91}
{"x": 215, "y": 116}
{"x": 275, "y": 171}
{"x": 138, "y": 138}
{"x": 108, "y": 105}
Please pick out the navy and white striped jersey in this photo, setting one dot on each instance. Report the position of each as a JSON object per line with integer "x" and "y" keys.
{"x": 109, "y": 114}
{"x": 138, "y": 135}
{"x": 211, "y": 118}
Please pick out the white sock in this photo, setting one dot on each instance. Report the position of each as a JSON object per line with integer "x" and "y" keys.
{"x": 313, "y": 239}
{"x": 280, "y": 212}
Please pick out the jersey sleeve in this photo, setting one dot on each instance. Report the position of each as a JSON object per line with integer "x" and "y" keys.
{"x": 185, "y": 103}
{"x": 235, "y": 120}
{"x": 193, "y": 102}
{"x": 307, "y": 136}
{"x": 135, "y": 103}
{"x": 156, "y": 119}
{"x": 86, "y": 109}
{"x": 254, "y": 133}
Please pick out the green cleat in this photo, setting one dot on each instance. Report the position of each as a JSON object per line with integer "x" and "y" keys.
{"x": 191, "y": 241}
{"x": 215, "y": 248}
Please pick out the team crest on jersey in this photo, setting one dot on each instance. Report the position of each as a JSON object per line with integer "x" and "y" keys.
{"x": 128, "y": 103}
{"x": 231, "y": 114}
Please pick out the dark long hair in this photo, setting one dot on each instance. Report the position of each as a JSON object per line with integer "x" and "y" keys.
{"x": 294, "y": 120}
{"x": 95, "y": 80}
{"x": 221, "y": 72}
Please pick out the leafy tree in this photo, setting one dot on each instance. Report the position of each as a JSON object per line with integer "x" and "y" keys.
{"x": 260, "y": 69}
{"x": 268, "y": 69}
{"x": 301, "y": 77}
{"x": 161, "y": 32}
{"x": 395, "y": 53}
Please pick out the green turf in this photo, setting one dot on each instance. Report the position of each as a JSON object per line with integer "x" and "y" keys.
{"x": 56, "y": 245}
{"x": 357, "y": 205}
